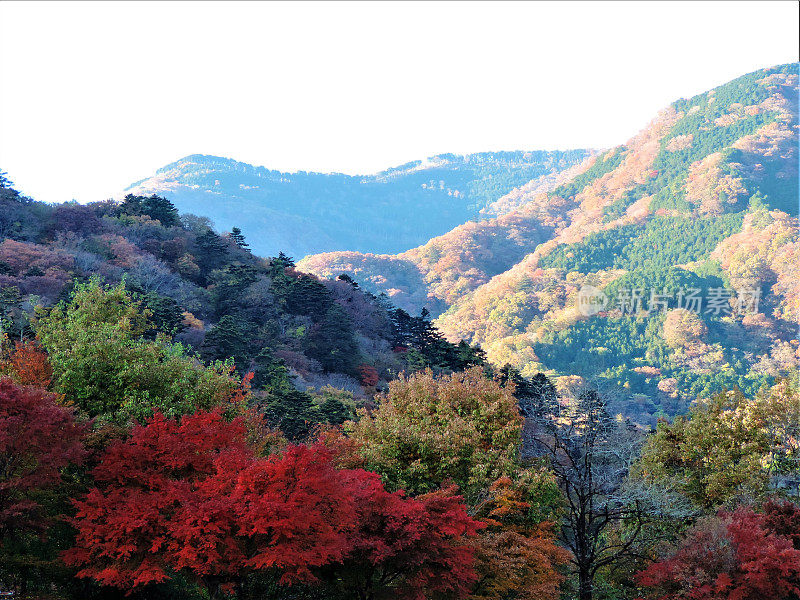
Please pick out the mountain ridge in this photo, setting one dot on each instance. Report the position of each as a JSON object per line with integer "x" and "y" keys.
{"x": 389, "y": 211}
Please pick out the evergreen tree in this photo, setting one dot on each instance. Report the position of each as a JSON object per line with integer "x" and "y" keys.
{"x": 161, "y": 209}
{"x": 270, "y": 372}
{"x": 334, "y": 411}
{"x": 166, "y": 314}
{"x": 346, "y": 278}
{"x": 541, "y": 396}
{"x": 226, "y": 340}
{"x": 238, "y": 238}
{"x": 156, "y": 207}
{"x": 230, "y": 285}
{"x": 211, "y": 252}
{"x": 293, "y": 412}
{"x": 333, "y": 343}
{"x": 280, "y": 263}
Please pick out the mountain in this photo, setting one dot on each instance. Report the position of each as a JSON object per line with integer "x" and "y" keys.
{"x": 394, "y": 210}
{"x": 434, "y": 276}
{"x": 705, "y": 197}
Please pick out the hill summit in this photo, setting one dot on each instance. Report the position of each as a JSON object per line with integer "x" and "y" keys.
{"x": 304, "y": 212}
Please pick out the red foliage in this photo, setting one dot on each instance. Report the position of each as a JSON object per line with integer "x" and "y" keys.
{"x": 154, "y": 491}
{"x": 192, "y": 497}
{"x": 369, "y": 375}
{"x": 420, "y": 543}
{"x": 736, "y": 556}
{"x": 38, "y": 438}
{"x": 296, "y": 509}
{"x": 783, "y": 518}
{"x": 29, "y": 365}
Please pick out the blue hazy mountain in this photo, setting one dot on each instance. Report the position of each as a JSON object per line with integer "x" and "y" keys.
{"x": 305, "y": 213}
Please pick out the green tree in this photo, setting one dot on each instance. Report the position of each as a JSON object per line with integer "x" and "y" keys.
{"x": 229, "y": 286}
{"x": 212, "y": 251}
{"x": 105, "y": 367}
{"x": 293, "y": 412}
{"x": 166, "y": 315}
{"x": 238, "y": 238}
{"x": 270, "y": 373}
{"x": 729, "y": 448}
{"x": 282, "y": 261}
{"x": 333, "y": 343}
{"x": 334, "y": 406}
{"x": 428, "y": 430}
{"x": 157, "y": 208}
{"x": 226, "y": 340}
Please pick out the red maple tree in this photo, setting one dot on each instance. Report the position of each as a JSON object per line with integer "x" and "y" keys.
{"x": 406, "y": 547}
{"x": 144, "y": 518}
{"x": 191, "y": 496}
{"x": 783, "y": 518}
{"x": 38, "y": 438}
{"x": 296, "y": 509}
{"x": 735, "y": 556}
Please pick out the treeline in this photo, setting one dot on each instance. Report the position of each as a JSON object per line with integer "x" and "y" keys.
{"x": 390, "y": 211}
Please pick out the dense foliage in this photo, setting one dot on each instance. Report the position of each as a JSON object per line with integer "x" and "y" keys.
{"x": 463, "y": 428}
{"x": 734, "y": 555}
{"x": 190, "y": 497}
{"x": 661, "y": 243}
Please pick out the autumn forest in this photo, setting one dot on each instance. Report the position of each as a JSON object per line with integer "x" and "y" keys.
{"x": 564, "y": 375}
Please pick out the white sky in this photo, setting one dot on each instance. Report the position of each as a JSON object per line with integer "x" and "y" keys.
{"x": 97, "y": 95}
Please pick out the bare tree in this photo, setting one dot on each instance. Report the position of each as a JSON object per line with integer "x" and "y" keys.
{"x": 591, "y": 453}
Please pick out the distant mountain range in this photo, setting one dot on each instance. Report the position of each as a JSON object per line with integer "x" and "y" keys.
{"x": 705, "y": 197}
{"x": 394, "y": 210}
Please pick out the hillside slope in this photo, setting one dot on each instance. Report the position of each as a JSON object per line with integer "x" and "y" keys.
{"x": 394, "y": 210}
{"x": 438, "y": 274}
{"x": 705, "y": 197}
{"x": 210, "y": 292}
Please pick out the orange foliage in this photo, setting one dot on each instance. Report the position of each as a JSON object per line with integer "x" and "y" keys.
{"x": 516, "y": 558}
{"x": 369, "y": 376}
{"x": 21, "y": 256}
{"x": 29, "y": 365}
{"x": 345, "y": 451}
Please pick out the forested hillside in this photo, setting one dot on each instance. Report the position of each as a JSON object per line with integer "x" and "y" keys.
{"x": 394, "y": 210}
{"x": 209, "y": 292}
{"x": 704, "y": 198}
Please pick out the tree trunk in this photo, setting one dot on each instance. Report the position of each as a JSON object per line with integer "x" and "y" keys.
{"x": 585, "y": 584}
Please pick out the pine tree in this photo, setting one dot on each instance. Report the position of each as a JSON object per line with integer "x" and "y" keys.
{"x": 226, "y": 340}
{"x": 161, "y": 209}
{"x": 238, "y": 238}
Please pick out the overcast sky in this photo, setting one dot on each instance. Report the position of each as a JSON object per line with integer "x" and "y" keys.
{"x": 97, "y": 95}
